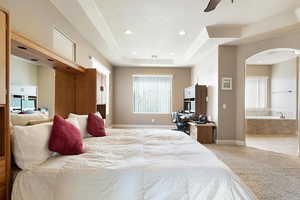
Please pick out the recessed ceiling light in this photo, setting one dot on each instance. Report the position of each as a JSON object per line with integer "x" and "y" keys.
{"x": 172, "y": 54}
{"x": 182, "y": 32}
{"x": 134, "y": 53}
{"x": 128, "y": 32}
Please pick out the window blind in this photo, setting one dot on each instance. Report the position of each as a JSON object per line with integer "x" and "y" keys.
{"x": 152, "y": 94}
{"x": 256, "y": 92}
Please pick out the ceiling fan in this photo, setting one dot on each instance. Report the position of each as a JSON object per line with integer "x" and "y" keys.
{"x": 213, "y": 5}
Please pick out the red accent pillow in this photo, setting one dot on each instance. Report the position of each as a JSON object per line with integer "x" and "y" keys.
{"x": 95, "y": 126}
{"x": 65, "y": 137}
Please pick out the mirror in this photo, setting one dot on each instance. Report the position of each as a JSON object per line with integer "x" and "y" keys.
{"x": 32, "y": 91}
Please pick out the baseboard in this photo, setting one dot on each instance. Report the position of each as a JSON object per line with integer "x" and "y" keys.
{"x": 143, "y": 126}
{"x": 231, "y": 142}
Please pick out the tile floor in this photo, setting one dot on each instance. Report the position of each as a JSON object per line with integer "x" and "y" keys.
{"x": 286, "y": 144}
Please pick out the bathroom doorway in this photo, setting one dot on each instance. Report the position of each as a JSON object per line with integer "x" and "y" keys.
{"x": 271, "y": 101}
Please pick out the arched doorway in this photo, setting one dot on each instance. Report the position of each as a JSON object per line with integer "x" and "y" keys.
{"x": 271, "y": 100}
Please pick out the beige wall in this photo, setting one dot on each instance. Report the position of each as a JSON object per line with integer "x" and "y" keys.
{"x": 37, "y": 18}
{"x": 259, "y": 70}
{"x": 284, "y": 79}
{"x": 123, "y": 94}
{"x": 206, "y": 73}
{"x": 227, "y": 98}
{"x": 210, "y": 70}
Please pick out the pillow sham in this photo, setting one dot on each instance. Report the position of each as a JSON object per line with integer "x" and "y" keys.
{"x": 65, "y": 137}
{"x": 30, "y": 144}
{"x": 82, "y": 120}
{"x": 95, "y": 126}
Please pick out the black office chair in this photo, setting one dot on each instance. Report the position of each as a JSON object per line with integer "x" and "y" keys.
{"x": 180, "y": 123}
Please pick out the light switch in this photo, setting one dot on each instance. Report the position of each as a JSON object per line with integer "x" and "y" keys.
{"x": 224, "y": 106}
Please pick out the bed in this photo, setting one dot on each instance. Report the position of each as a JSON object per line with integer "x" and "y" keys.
{"x": 133, "y": 165}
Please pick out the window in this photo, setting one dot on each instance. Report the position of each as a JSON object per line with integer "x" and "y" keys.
{"x": 104, "y": 98}
{"x": 152, "y": 93}
{"x": 256, "y": 92}
{"x": 63, "y": 45}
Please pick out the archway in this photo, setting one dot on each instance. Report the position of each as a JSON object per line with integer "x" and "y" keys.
{"x": 271, "y": 100}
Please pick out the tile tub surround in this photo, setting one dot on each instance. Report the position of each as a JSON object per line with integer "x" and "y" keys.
{"x": 271, "y": 126}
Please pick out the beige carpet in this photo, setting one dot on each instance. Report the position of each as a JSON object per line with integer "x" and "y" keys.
{"x": 270, "y": 175}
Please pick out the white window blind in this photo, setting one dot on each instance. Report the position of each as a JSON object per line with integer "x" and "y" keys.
{"x": 152, "y": 93}
{"x": 256, "y": 92}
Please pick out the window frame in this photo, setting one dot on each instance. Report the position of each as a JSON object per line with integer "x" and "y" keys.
{"x": 171, "y": 94}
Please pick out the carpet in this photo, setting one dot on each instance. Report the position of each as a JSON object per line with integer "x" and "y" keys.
{"x": 270, "y": 175}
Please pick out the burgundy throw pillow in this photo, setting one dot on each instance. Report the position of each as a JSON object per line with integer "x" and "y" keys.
{"x": 95, "y": 126}
{"x": 65, "y": 137}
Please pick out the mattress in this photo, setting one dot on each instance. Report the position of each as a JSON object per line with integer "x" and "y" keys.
{"x": 133, "y": 165}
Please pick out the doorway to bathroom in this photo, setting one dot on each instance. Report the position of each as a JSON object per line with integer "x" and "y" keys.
{"x": 271, "y": 101}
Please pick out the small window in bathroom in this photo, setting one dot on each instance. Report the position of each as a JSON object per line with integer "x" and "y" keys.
{"x": 256, "y": 93}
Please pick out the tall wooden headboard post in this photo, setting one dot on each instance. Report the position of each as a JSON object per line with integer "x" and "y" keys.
{"x": 5, "y": 152}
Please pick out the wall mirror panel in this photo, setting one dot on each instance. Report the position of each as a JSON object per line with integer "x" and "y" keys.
{"x": 32, "y": 93}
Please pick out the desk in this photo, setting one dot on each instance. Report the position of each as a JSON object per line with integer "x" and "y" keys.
{"x": 203, "y": 133}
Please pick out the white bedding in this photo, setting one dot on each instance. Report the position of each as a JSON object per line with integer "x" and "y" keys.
{"x": 133, "y": 165}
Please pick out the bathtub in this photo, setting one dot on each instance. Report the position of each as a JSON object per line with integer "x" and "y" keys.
{"x": 270, "y": 125}
{"x": 268, "y": 117}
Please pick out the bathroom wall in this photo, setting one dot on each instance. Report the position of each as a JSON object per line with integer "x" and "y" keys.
{"x": 284, "y": 86}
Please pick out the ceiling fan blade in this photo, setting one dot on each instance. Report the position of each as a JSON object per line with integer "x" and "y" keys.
{"x": 212, "y": 5}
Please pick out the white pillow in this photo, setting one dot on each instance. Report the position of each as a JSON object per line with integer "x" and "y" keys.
{"x": 30, "y": 144}
{"x": 82, "y": 120}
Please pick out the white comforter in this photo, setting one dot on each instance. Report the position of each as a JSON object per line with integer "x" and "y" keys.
{"x": 133, "y": 165}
